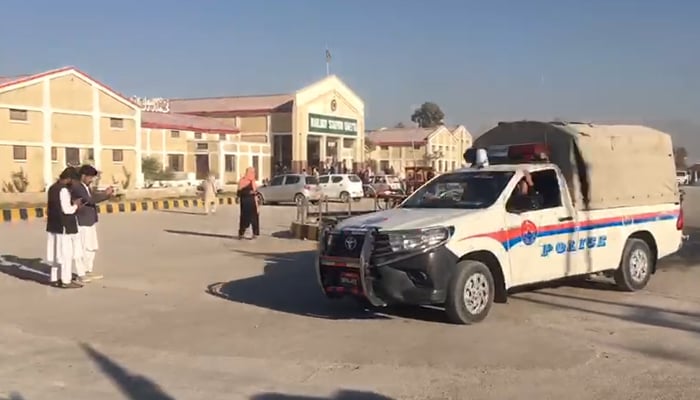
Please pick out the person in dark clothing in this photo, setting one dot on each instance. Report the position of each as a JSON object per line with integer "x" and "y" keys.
{"x": 525, "y": 197}
{"x": 63, "y": 247}
{"x": 248, "y": 199}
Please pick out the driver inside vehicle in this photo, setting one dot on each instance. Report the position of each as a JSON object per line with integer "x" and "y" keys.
{"x": 525, "y": 197}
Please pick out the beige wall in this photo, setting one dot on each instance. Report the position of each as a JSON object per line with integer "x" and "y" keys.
{"x": 32, "y": 167}
{"x": 281, "y": 122}
{"x": 316, "y": 99}
{"x": 115, "y": 172}
{"x": 66, "y": 109}
{"x": 398, "y": 157}
{"x": 71, "y": 128}
{"x": 31, "y": 95}
{"x": 186, "y": 145}
{"x": 253, "y": 124}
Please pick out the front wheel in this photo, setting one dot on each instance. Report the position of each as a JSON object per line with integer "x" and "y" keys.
{"x": 635, "y": 268}
{"x": 470, "y": 293}
{"x": 344, "y": 197}
{"x": 260, "y": 199}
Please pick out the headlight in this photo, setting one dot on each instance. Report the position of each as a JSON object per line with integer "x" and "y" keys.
{"x": 418, "y": 239}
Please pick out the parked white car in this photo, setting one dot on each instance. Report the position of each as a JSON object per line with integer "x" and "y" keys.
{"x": 682, "y": 177}
{"x": 341, "y": 186}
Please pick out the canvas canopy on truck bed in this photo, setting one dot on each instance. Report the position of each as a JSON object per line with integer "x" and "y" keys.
{"x": 605, "y": 165}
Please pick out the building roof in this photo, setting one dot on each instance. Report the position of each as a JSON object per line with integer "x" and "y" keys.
{"x": 232, "y": 104}
{"x": 185, "y": 122}
{"x": 399, "y": 136}
{"x": 14, "y": 80}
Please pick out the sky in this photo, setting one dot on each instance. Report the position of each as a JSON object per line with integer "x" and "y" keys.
{"x": 482, "y": 62}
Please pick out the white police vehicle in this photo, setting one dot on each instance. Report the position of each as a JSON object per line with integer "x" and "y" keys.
{"x": 559, "y": 203}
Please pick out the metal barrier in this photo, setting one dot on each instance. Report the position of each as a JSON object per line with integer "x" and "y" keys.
{"x": 309, "y": 212}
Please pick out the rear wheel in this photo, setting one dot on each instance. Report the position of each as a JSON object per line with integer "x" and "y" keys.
{"x": 298, "y": 199}
{"x": 344, "y": 197}
{"x": 470, "y": 293}
{"x": 635, "y": 267}
{"x": 261, "y": 199}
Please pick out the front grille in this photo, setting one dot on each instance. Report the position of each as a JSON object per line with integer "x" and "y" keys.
{"x": 346, "y": 245}
{"x": 382, "y": 247}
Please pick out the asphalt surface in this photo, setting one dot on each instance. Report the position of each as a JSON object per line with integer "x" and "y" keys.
{"x": 187, "y": 312}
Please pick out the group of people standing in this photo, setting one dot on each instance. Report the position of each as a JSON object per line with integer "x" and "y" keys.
{"x": 71, "y": 224}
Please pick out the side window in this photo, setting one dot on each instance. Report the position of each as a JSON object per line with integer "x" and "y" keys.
{"x": 542, "y": 194}
{"x": 547, "y": 188}
{"x": 323, "y": 179}
{"x": 276, "y": 181}
{"x": 291, "y": 179}
{"x": 336, "y": 179}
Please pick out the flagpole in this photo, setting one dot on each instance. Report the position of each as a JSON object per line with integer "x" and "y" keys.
{"x": 328, "y": 61}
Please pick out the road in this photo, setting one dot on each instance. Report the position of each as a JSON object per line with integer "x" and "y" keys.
{"x": 187, "y": 312}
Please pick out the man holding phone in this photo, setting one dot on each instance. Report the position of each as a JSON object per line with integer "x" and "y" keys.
{"x": 87, "y": 219}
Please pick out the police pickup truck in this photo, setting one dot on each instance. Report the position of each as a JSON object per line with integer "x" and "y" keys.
{"x": 521, "y": 214}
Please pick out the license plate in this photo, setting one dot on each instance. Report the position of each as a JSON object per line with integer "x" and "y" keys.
{"x": 350, "y": 280}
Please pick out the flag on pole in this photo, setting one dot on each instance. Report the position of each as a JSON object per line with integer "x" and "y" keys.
{"x": 328, "y": 61}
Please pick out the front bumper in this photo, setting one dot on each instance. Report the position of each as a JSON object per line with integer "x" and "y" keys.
{"x": 409, "y": 278}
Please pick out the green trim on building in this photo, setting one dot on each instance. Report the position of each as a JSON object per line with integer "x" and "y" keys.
{"x": 327, "y": 124}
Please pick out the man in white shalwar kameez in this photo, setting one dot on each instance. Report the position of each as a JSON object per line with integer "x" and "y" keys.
{"x": 87, "y": 219}
{"x": 63, "y": 245}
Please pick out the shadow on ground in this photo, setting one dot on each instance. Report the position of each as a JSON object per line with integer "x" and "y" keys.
{"x": 13, "y": 396}
{"x": 202, "y": 234}
{"x": 688, "y": 255}
{"x": 340, "y": 395}
{"x": 135, "y": 387}
{"x": 289, "y": 284}
{"x": 30, "y": 269}
{"x": 641, "y": 314}
{"x": 184, "y": 212}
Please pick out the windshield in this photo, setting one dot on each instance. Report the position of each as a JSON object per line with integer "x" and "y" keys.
{"x": 354, "y": 178}
{"x": 469, "y": 190}
{"x": 392, "y": 179}
{"x": 681, "y": 174}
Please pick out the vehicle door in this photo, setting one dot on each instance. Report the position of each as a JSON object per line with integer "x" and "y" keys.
{"x": 323, "y": 183}
{"x": 354, "y": 185}
{"x": 336, "y": 186}
{"x": 272, "y": 193}
{"x": 540, "y": 232}
{"x": 291, "y": 187}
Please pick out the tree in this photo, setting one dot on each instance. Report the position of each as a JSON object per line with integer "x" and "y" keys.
{"x": 400, "y": 125}
{"x": 680, "y": 154}
{"x": 153, "y": 170}
{"x": 428, "y": 115}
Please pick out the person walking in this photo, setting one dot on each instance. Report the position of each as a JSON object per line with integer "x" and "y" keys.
{"x": 87, "y": 220}
{"x": 63, "y": 247}
{"x": 248, "y": 199}
{"x": 209, "y": 189}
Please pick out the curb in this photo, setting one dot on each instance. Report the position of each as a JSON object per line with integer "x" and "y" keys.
{"x": 305, "y": 231}
{"x": 33, "y": 213}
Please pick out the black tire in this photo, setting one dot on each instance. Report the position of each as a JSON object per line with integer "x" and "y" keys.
{"x": 298, "y": 199}
{"x": 344, "y": 197}
{"x": 469, "y": 271}
{"x": 631, "y": 276}
{"x": 261, "y": 199}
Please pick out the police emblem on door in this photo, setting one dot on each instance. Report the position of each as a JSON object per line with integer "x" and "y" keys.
{"x": 528, "y": 232}
{"x": 350, "y": 243}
